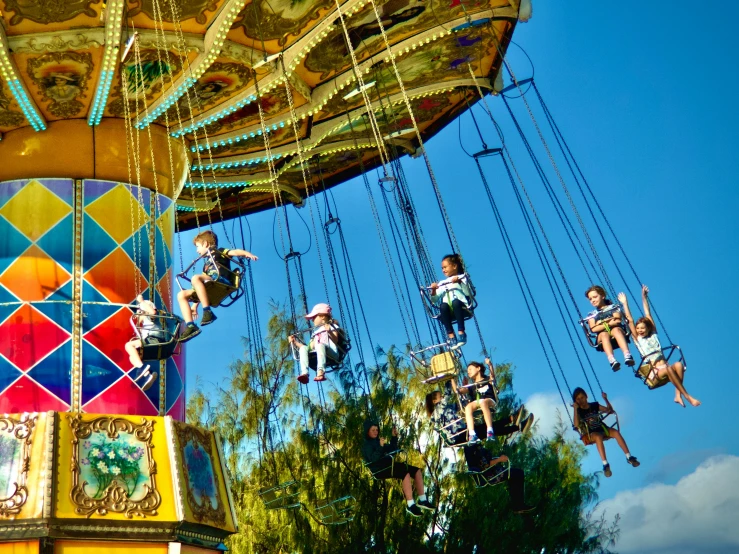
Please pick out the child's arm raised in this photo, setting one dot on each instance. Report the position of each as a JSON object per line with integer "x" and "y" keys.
{"x": 625, "y": 303}
{"x": 607, "y": 408}
{"x": 238, "y": 253}
{"x": 645, "y": 305}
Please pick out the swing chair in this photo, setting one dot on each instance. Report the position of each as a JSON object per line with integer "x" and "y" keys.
{"x": 158, "y": 334}
{"x": 393, "y": 456}
{"x": 225, "y": 288}
{"x": 440, "y": 367}
{"x": 491, "y": 476}
{"x": 336, "y": 512}
{"x": 445, "y": 291}
{"x": 584, "y": 430}
{"x": 648, "y": 373}
{"x": 281, "y": 496}
{"x": 592, "y": 337}
{"x": 334, "y": 360}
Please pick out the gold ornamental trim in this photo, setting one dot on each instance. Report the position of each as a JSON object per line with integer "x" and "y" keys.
{"x": 17, "y": 431}
{"x": 116, "y": 496}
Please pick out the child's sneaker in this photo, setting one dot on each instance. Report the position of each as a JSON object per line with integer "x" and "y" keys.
{"x": 615, "y": 365}
{"x": 414, "y": 510}
{"x": 473, "y": 439}
{"x": 426, "y": 505}
{"x": 633, "y": 461}
{"x": 490, "y": 435}
{"x": 607, "y": 470}
{"x": 148, "y": 376}
{"x": 208, "y": 317}
{"x": 461, "y": 341}
{"x": 451, "y": 342}
{"x": 527, "y": 423}
{"x": 303, "y": 378}
{"x": 190, "y": 332}
{"x": 629, "y": 360}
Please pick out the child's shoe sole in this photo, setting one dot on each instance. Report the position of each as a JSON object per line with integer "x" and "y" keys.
{"x": 149, "y": 381}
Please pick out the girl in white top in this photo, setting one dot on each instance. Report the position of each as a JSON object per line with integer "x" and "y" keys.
{"x": 454, "y": 296}
{"x": 323, "y": 341}
{"x": 644, "y": 333}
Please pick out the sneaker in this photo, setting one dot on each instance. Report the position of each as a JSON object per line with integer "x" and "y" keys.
{"x": 190, "y": 332}
{"x": 426, "y": 505}
{"x": 629, "y": 360}
{"x": 523, "y": 509}
{"x": 519, "y": 415}
{"x": 607, "y": 470}
{"x": 451, "y": 342}
{"x": 414, "y": 510}
{"x": 527, "y": 423}
{"x": 149, "y": 381}
{"x": 473, "y": 439}
{"x": 141, "y": 371}
{"x": 303, "y": 378}
{"x": 615, "y": 365}
{"x": 633, "y": 461}
{"x": 490, "y": 436}
{"x": 208, "y": 317}
{"x": 461, "y": 341}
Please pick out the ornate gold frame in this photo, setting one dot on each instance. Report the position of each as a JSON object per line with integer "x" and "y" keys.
{"x": 22, "y": 430}
{"x": 114, "y": 499}
{"x": 184, "y": 434}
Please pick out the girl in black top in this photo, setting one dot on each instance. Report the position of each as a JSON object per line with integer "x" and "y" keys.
{"x": 590, "y": 415}
{"x": 482, "y": 396}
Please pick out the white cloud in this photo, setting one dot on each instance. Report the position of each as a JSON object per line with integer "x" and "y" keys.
{"x": 700, "y": 513}
{"x": 548, "y": 411}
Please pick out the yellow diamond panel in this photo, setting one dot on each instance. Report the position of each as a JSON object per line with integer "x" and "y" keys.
{"x": 35, "y": 210}
{"x": 118, "y": 212}
{"x": 34, "y": 275}
{"x": 166, "y": 226}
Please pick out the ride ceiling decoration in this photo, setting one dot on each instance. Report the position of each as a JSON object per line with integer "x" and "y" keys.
{"x": 199, "y": 69}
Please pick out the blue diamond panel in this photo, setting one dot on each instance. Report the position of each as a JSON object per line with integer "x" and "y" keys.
{"x": 61, "y": 314}
{"x": 54, "y": 372}
{"x": 96, "y": 245}
{"x": 8, "y": 374}
{"x": 98, "y": 372}
{"x": 57, "y": 242}
{"x": 10, "y": 189}
{"x": 12, "y": 245}
{"x": 63, "y": 188}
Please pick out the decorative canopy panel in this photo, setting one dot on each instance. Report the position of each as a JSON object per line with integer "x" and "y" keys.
{"x": 219, "y": 75}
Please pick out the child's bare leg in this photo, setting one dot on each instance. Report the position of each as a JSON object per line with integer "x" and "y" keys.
{"x": 620, "y": 440}
{"x": 468, "y": 415}
{"x": 598, "y": 440}
{"x": 605, "y": 341}
{"x": 183, "y": 299}
{"x": 679, "y": 372}
{"x": 618, "y": 334}
{"x": 407, "y": 489}
{"x": 198, "y": 285}
{"x": 418, "y": 480}
{"x": 485, "y": 407}
{"x": 132, "y": 348}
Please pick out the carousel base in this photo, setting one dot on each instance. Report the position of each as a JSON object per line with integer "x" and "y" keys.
{"x": 72, "y": 482}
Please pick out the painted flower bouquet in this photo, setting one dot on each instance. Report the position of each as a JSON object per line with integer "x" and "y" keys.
{"x": 112, "y": 460}
{"x": 200, "y": 471}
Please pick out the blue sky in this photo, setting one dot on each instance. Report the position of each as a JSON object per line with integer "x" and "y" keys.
{"x": 646, "y": 102}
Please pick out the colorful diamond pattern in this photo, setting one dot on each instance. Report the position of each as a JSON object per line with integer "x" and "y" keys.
{"x": 36, "y": 262}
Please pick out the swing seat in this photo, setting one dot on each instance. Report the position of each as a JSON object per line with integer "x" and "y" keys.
{"x": 647, "y": 372}
{"x": 160, "y": 343}
{"x": 334, "y": 360}
{"x": 584, "y": 431}
{"x": 223, "y": 292}
{"x": 434, "y": 311}
{"x": 282, "y": 496}
{"x": 593, "y": 337}
{"x": 443, "y": 368}
{"x": 449, "y": 436}
{"x": 496, "y": 475}
{"x": 391, "y": 455}
{"x": 336, "y": 512}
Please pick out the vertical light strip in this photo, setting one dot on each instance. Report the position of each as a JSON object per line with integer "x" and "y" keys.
{"x": 214, "y": 39}
{"x": 77, "y": 315}
{"x": 113, "y": 26}
{"x": 18, "y": 89}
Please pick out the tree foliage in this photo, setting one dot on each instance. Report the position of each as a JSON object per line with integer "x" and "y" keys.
{"x": 274, "y": 433}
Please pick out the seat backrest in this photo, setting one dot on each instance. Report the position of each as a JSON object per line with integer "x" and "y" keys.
{"x": 444, "y": 363}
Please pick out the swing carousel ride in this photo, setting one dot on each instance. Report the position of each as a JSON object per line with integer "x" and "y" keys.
{"x": 124, "y": 121}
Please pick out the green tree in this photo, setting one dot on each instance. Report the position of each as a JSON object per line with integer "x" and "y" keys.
{"x": 275, "y": 434}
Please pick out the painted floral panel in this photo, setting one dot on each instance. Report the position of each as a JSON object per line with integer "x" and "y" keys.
{"x": 104, "y": 460}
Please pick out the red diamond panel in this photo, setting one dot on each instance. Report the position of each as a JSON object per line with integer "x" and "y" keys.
{"x": 177, "y": 410}
{"x": 25, "y": 395}
{"x": 28, "y": 335}
{"x": 111, "y": 336}
{"x": 125, "y": 398}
